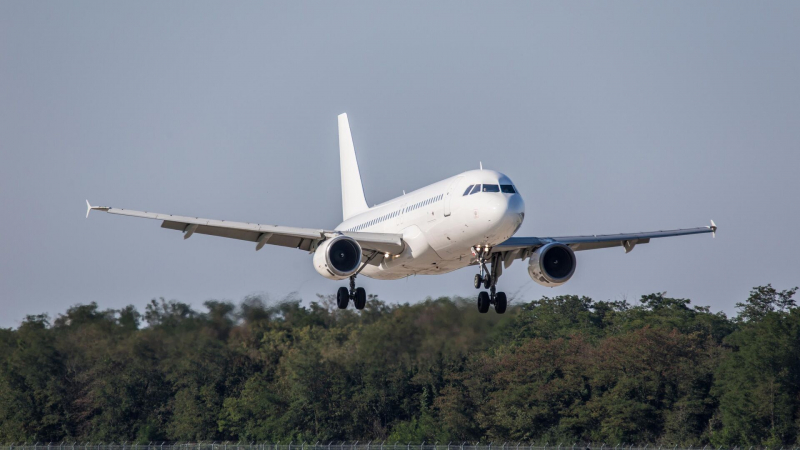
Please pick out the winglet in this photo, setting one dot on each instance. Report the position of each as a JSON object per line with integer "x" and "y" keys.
{"x": 713, "y": 228}
{"x": 89, "y": 208}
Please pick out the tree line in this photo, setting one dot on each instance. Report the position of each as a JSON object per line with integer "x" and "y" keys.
{"x": 557, "y": 369}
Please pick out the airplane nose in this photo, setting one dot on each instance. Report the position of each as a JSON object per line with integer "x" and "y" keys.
{"x": 515, "y": 205}
{"x": 513, "y": 216}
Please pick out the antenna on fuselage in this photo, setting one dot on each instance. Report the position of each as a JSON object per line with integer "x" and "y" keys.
{"x": 480, "y": 163}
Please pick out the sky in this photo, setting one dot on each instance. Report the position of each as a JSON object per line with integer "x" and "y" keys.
{"x": 609, "y": 117}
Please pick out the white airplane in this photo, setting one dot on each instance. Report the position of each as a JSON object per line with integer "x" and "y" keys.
{"x": 465, "y": 220}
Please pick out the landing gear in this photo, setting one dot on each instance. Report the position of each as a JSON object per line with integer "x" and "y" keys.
{"x": 361, "y": 298}
{"x": 342, "y": 297}
{"x": 498, "y": 299}
{"x": 500, "y": 302}
{"x": 358, "y": 295}
{"x": 483, "y": 277}
{"x": 483, "y": 302}
{"x": 486, "y": 281}
{"x": 489, "y": 280}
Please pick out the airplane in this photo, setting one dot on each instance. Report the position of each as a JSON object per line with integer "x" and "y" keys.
{"x": 466, "y": 220}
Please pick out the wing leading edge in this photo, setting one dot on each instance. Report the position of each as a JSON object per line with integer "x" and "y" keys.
{"x": 523, "y": 246}
{"x": 302, "y": 238}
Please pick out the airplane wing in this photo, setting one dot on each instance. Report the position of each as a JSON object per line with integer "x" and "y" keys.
{"x": 302, "y": 238}
{"x": 522, "y": 247}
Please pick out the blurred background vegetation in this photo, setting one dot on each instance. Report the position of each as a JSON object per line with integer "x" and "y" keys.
{"x": 565, "y": 369}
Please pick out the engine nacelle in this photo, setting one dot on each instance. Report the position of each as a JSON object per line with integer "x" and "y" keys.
{"x": 552, "y": 265}
{"x": 337, "y": 258}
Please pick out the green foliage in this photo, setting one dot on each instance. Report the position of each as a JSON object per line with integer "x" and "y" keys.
{"x": 556, "y": 369}
{"x": 759, "y": 381}
{"x": 764, "y": 300}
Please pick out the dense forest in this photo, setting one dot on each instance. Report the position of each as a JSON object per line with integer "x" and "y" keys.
{"x": 566, "y": 368}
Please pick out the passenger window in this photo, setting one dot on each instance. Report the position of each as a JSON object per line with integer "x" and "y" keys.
{"x": 491, "y": 188}
{"x": 477, "y": 188}
{"x": 466, "y": 192}
{"x": 508, "y": 189}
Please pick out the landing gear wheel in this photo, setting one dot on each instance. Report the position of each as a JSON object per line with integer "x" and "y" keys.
{"x": 342, "y": 297}
{"x": 478, "y": 281}
{"x": 483, "y": 302}
{"x": 500, "y": 302}
{"x": 361, "y": 298}
{"x": 487, "y": 281}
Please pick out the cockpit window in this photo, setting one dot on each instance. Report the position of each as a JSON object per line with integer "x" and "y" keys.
{"x": 491, "y": 188}
{"x": 508, "y": 189}
{"x": 468, "y": 188}
{"x": 477, "y": 188}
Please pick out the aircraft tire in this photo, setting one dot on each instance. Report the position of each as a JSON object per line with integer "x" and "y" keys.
{"x": 487, "y": 282}
{"x": 500, "y": 302}
{"x": 483, "y": 302}
{"x": 342, "y": 297}
{"x": 478, "y": 280}
{"x": 361, "y": 298}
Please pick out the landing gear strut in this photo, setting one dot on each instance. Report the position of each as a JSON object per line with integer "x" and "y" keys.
{"x": 489, "y": 280}
{"x": 483, "y": 277}
{"x": 358, "y": 295}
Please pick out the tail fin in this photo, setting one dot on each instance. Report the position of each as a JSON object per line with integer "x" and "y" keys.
{"x": 353, "y": 201}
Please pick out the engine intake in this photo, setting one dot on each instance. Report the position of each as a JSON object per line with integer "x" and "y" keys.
{"x": 337, "y": 258}
{"x": 552, "y": 265}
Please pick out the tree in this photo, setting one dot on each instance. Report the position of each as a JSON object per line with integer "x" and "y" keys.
{"x": 758, "y": 383}
{"x": 764, "y": 300}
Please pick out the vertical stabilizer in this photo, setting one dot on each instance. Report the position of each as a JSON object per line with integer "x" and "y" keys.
{"x": 353, "y": 201}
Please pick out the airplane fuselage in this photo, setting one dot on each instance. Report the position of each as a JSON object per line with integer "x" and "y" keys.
{"x": 441, "y": 222}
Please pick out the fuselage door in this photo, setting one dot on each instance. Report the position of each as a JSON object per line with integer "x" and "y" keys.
{"x": 449, "y": 195}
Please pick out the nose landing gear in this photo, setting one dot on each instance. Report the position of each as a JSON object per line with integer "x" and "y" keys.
{"x": 489, "y": 280}
{"x": 483, "y": 277}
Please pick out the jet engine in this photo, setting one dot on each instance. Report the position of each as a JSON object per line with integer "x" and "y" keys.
{"x": 337, "y": 258}
{"x": 552, "y": 265}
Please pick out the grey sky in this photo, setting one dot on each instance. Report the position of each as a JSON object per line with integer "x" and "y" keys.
{"x": 609, "y": 117}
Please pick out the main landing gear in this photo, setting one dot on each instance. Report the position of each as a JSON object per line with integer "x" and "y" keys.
{"x": 358, "y": 295}
{"x": 488, "y": 278}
